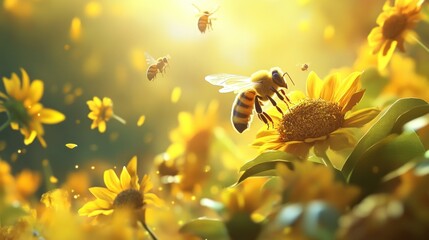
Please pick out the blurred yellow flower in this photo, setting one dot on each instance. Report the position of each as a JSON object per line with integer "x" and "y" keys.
{"x": 185, "y": 162}
{"x": 395, "y": 25}
{"x": 309, "y": 182}
{"x": 319, "y": 119}
{"x": 404, "y": 81}
{"x": 21, "y": 103}
{"x": 101, "y": 112}
{"x": 124, "y": 192}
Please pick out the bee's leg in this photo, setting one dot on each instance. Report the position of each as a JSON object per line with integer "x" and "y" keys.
{"x": 261, "y": 114}
{"x": 282, "y": 96}
{"x": 275, "y": 104}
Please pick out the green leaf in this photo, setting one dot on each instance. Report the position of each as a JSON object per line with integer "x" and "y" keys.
{"x": 267, "y": 168}
{"x": 206, "y": 229}
{"x": 269, "y": 156}
{"x": 384, "y": 157}
{"x": 401, "y": 110}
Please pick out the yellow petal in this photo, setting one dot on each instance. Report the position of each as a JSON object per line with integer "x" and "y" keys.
{"x": 146, "y": 184}
{"x": 132, "y": 170}
{"x": 328, "y": 87}
{"x": 12, "y": 85}
{"x": 103, "y": 193}
{"x": 360, "y": 117}
{"x": 25, "y": 81}
{"x": 102, "y": 126}
{"x": 383, "y": 60}
{"x": 92, "y": 116}
{"x": 97, "y": 101}
{"x": 51, "y": 116}
{"x": 14, "y": 125}
{"x": 354, "y": 99}
{"x": 348, "y": 88}
{"x": 102, "y": 211}
{"x": 107, "y": 101}
{"x": 36, "y": 90}
{"x": 30, "y": 138}
{"x": 125, "y": 179}
{"x": 314, "y": 85}
{"x": 151, "y": 198}
{"x": 4, "y": 96}
{"x": 71, "y": 145}
{"x": 112, "y": 181}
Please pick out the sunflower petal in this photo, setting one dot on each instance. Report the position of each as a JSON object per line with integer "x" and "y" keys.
{"x": 112, "y": 181}
{"x": 30, "y": 138}
{"x": 36, "y": 90}
{"x": 102, "y": 126}
{"x": 153, "y": 199}
{"x": 354, "y": 99}
{"x": 385, "y": 54}
{"x": 329, "y": 87}
{"x": 125, "y": 179}
{"x": 348, "y": 88}
{"x": 103, "y": 194}
{"x": 360, "y": 117}
{"x": 51, "y": 116}
{"x": 132, "y": 170}
{"x": 314, "y": 85}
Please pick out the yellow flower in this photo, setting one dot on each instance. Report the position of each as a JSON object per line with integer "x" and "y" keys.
{"x": 187, "y": 157}
{"x": 21, "y": 103}
{"x": 404, "y": 81}
{"x": 123, "y": 192}
{"x": 320, "y": 119}
{"x": 395, "y": 25}
{"x": 101, "y": 112}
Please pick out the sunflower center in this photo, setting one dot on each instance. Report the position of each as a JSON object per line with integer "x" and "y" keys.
{"x": 130, "y": 198}
{"x": 310, "y": 119}
{"x": 394, "y": 26}
{"x": 17, "y": 112}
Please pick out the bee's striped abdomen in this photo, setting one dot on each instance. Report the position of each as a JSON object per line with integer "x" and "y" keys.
{"x": 242, "y": 110}
{"x": 202, "y": 23}
{"x": 151, "y": 72}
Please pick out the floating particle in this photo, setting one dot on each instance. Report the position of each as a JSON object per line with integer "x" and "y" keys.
{"x": 71, "y": 145}
{"x": 141, "y": 120}
{"x": 329, "y": 32}
{"x": 67, "y": 47}
{"x": 53, "y": 179}
{"x": 77, "y": 121}
{"x": 176, "y": 94}
{"x": 76, "y": 166}
{"x": 92, "y": 167}
{"x": 93, "y": 147}
{"x": 113, "y": 136}
{"x": 93, "y": 9}
{"x": 76, "y": 29}
{"x": 67, "y": 88}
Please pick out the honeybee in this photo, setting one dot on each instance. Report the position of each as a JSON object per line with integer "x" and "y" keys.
{"x": 304, "y": 66}
{"x": 204, "y": 20}
{"x": 252, "y": 92}
{"x": 155, "y": 66}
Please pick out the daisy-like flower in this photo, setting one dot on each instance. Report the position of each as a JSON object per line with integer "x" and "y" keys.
{"x": 123, "y": 192}
{"x": 101, "y": 112}
{"x": 321, "y": 119}
{"x": 186, "y": 160}
{"x": 395, "y": 25}
{"x": 21, "y": 103}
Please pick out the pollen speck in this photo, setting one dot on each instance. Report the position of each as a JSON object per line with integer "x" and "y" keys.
{"x": 141, "y": 120}
{"x": 71, "y": 145}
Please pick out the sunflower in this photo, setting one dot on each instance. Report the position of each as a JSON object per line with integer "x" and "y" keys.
{"x": 122, "y": 192}
{"x": 186, "y": 160}
{"x": 395, "y": 25}
{"x": 321, "y": 119}
{"x": 101, "y": 112}
{"x": 21, "y": 103}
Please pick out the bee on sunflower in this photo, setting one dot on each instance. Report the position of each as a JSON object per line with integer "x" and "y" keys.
{"x": 321, "y": 119}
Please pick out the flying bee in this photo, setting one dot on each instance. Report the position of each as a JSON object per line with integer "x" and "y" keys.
{"x": 304, "y": 67}
{"x": 204, "y": 20}
{"x": 155, "y": 66}
{"x": 252, "y": 92}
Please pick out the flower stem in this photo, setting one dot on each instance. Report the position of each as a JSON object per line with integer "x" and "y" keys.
{"x": 420, "y": 43}
{"x": 142, "y": 218}
{"x": 121, "y": 120}
{"x": 2, "y": 127}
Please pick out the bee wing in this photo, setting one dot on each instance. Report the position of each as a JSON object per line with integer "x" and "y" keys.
{"x": 230, "y": 82}
{"x": 149, "y": 59}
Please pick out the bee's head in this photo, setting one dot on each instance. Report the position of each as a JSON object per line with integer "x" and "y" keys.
{"x": 278, "y": 78}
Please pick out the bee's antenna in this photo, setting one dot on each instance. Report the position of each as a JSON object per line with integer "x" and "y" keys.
{"x": 289, "y": 77}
